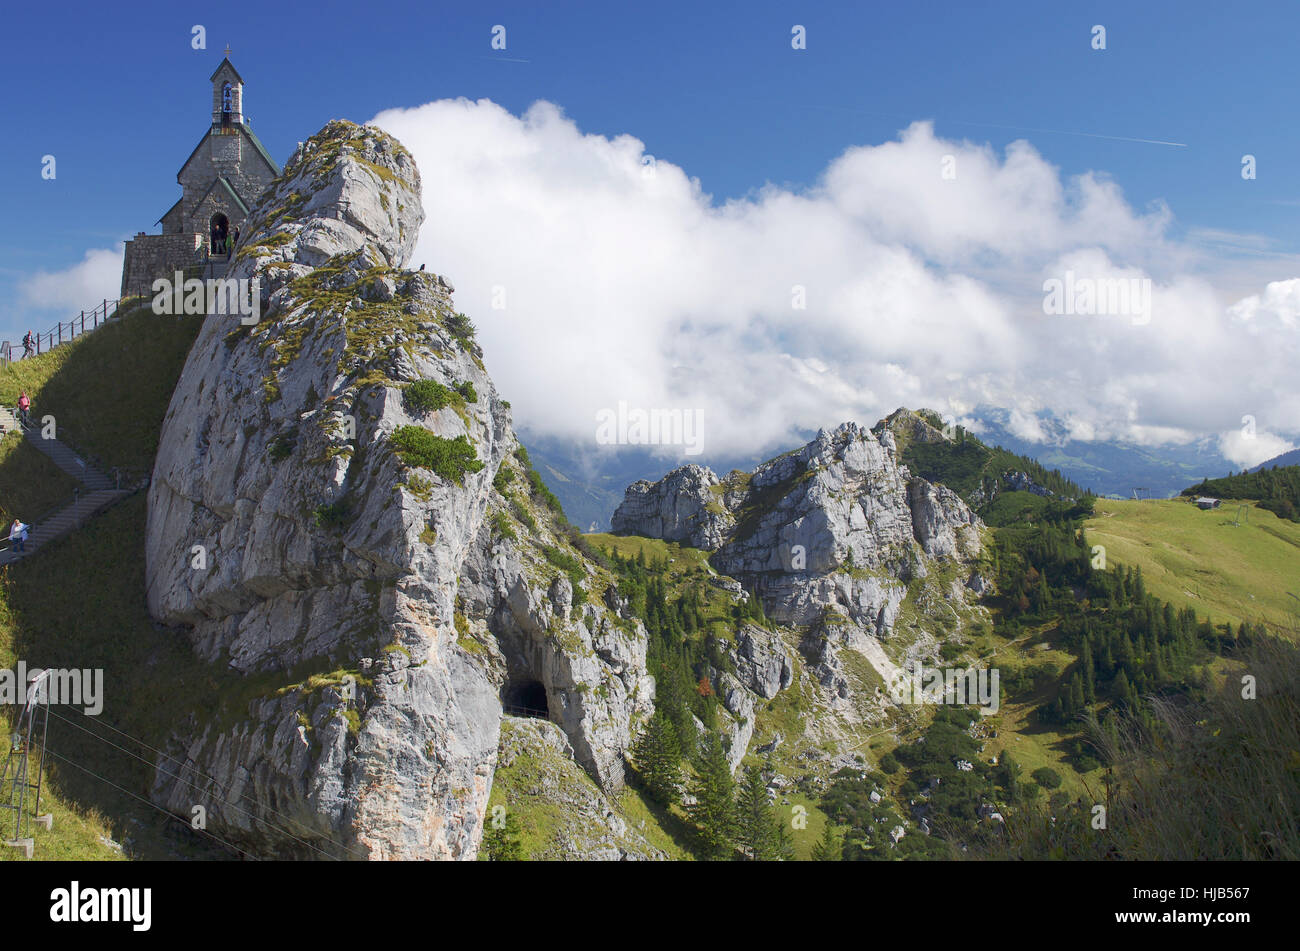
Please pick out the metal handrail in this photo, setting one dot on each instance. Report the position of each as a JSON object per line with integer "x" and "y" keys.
{"x": 44, "y": 516}
{"x": 515, "y": 710}
{"x": 58, "y": 507}
{"x": 99, "y": 315}
{"x": 88, "y": 458}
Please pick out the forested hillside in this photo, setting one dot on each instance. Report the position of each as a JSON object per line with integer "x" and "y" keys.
{"x": 1276, "y": 489}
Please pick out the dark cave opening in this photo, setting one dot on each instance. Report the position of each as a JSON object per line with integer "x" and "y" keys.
{"x": 526, "y": 698}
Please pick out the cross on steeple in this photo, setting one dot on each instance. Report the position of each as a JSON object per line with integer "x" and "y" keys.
{"x": 227, "y": 49}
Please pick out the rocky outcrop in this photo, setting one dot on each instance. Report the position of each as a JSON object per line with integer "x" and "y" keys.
{"x": 837, "y": 525}
{"x": 536, "y": 770}
{"x": 344, "y": 547}
{"x": 906, "y": 427}
{"x": 685, "y": 506}
{"x": 943, "y": 524}
{"x": 762, "y": 663}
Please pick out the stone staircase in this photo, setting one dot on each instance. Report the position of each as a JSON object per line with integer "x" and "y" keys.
{"x": 95, "y": 492}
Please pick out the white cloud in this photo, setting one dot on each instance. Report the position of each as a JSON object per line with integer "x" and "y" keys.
{"x": 919, "y": 290}
{"x": 1250, "y": 450}
{"x": 98, "y": 276}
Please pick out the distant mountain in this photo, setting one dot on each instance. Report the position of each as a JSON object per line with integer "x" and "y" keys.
{"x": 1111, "y": 468}
{"x": 590, "y": 482}
{"x": 1291, "y": 458}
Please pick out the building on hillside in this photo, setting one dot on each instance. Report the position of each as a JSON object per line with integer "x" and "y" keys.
{"x": 221, "y": 181}
{"x": 1206, "y": 502}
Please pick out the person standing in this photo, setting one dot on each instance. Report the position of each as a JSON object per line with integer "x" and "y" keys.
{"x": 24, "y": 406}
{"x": 18, "y": 535}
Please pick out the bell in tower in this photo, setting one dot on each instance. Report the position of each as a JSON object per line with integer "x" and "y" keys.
{"x": 227, "y": 95}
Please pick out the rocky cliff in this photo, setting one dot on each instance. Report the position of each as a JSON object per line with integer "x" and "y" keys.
{"x": 838, "y": 524}
{"x": 831, "y": 537}
{"x": 340, "y": 517}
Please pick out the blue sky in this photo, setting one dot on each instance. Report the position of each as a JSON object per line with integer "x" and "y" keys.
{"x": 119, "y": 97}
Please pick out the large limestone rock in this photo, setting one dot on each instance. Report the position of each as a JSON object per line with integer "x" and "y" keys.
{"x": 685, "y": 506}
{"x": 762, "y": 663}
{"x": 370, "y": 605}
{"x": 836, "y": 525}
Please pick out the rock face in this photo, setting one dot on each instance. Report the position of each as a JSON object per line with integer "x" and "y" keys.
{"x": 684, "y": 506}
{"x": 346, "y": 547}
{"x": 837, "y": 525}
{"x": 762, "y": 663}
{"x": 941, "y": 521}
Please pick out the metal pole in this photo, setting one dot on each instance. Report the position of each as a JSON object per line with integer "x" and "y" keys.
{"x": 40, "y": 764}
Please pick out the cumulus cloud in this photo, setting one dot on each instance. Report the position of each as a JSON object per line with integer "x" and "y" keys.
{"x": 883, "y": 283}
{"x": 1244, "y": 449}
{"x": 95, "y": 277}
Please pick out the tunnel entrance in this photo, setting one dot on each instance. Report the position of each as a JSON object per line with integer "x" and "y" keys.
{"x": 526, "y": 698}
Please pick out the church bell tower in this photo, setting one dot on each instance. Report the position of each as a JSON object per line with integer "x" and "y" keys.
{"x": 227, "y": 96}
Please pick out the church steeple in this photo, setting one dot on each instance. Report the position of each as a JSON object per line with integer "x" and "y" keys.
{"x": 227, "y": 95}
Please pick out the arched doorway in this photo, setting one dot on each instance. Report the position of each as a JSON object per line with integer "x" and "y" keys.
{"x": 219, "y": 230}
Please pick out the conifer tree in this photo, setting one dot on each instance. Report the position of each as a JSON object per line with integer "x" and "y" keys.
{"x": 714, "y": 809}
{"x": 658, "y": 758}
{"x": 758, "y": 831}
{"x": 829, "y": 848}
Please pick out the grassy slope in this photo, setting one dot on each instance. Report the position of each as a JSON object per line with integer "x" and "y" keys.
{"x": 80, "y": 601}
{"x": 30, "y": 484}
{"x": 541, "y": 792}
{"x": 1198, "y": 559}
{"x": 108, "y": 391}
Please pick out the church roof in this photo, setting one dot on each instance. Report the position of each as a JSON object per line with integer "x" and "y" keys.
{"x": 252, "y": 138}
{"x": 171, "y": 209}
{"x": 230, "y": 190}
{"x": 225, "y": 62}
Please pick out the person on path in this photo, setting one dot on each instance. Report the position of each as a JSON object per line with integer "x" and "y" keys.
{"x": 24, "y": 406}
{"x": 18, "y": 535}
{"x": 28, "y": 344}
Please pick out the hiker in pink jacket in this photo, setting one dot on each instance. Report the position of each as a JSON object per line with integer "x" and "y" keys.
{"x": 24, "y": 405}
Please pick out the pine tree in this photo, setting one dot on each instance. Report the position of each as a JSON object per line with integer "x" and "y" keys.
{"x": 1076, "y": 695}
{"x": 714, "y": 809}
{"x": 829, "y": 848}
{"x": 758, "y": 829}
{"x": 1121, "y": 690}
{"x": 1010, "y": 776}
{"x": 1086, "y": 662}
{"x": 784, "y": 842}
{"x": 658, "y": 757}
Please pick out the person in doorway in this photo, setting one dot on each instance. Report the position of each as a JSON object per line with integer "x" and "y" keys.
{"x": 18, "y": 535}
{"x": 24, "y": 406}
